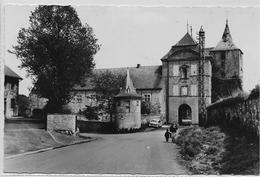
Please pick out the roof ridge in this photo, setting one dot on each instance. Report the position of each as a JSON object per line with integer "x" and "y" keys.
{"x": 186, "y": 40}
{"x": 126, "y": 67}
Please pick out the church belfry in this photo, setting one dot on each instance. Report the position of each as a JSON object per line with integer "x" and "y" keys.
{"x": 227, "y": 57}
{"x": 227, "y": 67}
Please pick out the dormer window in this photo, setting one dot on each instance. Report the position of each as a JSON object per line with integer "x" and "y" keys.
{"x": 184, "y": 71}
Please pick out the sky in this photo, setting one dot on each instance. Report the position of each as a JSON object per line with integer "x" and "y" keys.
{"x": 131, "y": 35}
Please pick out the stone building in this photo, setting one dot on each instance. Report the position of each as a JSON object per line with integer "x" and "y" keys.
{"x": 181, "y": 78}
{"x": 147, "y": 81}
{"x": 128, "y": 107}
{"x": 11, "y": 93}
{"x": 173, "y": 87}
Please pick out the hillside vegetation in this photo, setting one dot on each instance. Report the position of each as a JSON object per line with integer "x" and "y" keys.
{"x": 216, "y": 151}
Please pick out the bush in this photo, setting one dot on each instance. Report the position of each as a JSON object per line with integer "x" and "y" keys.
{"x": 149, "y": 108}
{"x": 38, "y": 113}
{"x": 145, "y": 107}
{"x": 90, "y": 112}
{"x": 211, "y": 150}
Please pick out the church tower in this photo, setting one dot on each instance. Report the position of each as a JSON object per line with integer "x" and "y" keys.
{"x": 227, "y": 68}
{"x": 227, "y": 57}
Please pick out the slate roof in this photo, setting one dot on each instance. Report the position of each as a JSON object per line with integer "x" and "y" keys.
{"x": 11, "y": 73}
{"x": 129, "y": 90}
{"x": 226, "y": 42}
{"x": 144, "y": 77}
{"x": 186, "y": 40}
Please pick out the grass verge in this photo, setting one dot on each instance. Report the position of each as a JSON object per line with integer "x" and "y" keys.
{"x": 216, "y": 151}
{"x": 20, "y": 141}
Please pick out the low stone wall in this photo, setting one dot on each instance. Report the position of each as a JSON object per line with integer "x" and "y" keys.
{"x": 95, "y": 126}
{"x": 240, "y": 112}
{"x": 61, "y": 122}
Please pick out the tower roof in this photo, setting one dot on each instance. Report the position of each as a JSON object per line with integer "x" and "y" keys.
{"x": 186, "y": 40}
{"x": 129, "y": 91}
{"x": 226, "y": 42}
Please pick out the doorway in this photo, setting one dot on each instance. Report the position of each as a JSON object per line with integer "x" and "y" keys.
{"x": 185, "y": 117}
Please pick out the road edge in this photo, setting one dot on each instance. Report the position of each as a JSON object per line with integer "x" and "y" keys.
{"x": 50, "y": 148}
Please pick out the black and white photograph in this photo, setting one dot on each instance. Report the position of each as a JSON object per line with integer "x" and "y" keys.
{"x": 130, "y": 89}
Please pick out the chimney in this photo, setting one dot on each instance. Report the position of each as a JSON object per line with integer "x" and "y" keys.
{"x": 138, "y": 66}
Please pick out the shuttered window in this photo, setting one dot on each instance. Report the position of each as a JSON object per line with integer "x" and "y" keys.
{"x": 184, "y": 91}
{"x": 175, "y": 90}
{"x": 194, "y": 90}
{"x": 194, "y": 69}
{"x": 175, "y": 70}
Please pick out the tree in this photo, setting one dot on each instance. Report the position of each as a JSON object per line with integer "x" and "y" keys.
{"x": 108, "y": 85}
{"x": 23, "y": 105}
{"x": 57, "y": 52}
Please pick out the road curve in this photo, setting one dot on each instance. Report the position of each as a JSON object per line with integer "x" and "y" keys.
{"x": 137, "y": 153}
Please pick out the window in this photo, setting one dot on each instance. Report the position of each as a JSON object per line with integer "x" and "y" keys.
{"x": 175, "y": 70}
{"x": 223, "y": 57}
{"x": 127, "y": 105}
{"x": 147, "y": 97}
{"x": 12, "y": 103}
{"x": 175, "y": 90}
{"x": 194, "y": 90}
{"x": 184, "y": 72}
{"x": 184, "y": 91}
{"x": 137, "y": 103}
{"x": 193, "y": 69}
{"x": 79, "y": 98}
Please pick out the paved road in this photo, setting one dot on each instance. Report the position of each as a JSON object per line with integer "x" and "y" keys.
{"x": 137, "y": 153}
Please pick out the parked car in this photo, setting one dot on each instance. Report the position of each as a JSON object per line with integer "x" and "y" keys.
{"x": 155, "y": 123}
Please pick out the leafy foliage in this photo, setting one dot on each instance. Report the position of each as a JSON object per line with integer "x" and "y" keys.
{"x": 149, "y": 108}
{"x": 108, "y": 85}
{"x": 23, "y": 105}
{"x": 57, "y": 52}
{"x": 91, "y": 112}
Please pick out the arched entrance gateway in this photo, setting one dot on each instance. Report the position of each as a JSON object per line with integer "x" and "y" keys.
{"x": 184, "y": 114}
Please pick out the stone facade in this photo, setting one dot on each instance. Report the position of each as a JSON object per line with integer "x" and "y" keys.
{"x": 230, "y": 62}
{"x": 11, "y": 91}
{"x": 182, "y": 81}
{"x": 128, "y": 114}
{"x": 64, "y": 122}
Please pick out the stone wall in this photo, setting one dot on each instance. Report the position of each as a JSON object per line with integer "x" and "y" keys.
{"x": 240, "y": 112}
{"x": 95, "y": 126}
{"x": 233, "y": 64}
{"x": 11, "y": 95}
{"x": 35, "y": 103}
{"x": 61, "y": 122}
{"x": 128, "y": 114}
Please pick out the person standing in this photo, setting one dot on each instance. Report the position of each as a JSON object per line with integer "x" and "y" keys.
{"x": 167, "y": 135}
{"x": 173, "y": 130}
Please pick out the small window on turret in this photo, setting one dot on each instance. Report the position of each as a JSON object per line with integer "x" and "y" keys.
{"x": 223, "y": 58}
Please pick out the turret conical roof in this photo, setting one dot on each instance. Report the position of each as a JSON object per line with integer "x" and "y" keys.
{"x": 129, "y": 91}
{"x": 226, "y": 42}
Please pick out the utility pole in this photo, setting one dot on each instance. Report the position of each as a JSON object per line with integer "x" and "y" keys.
{"x": 202, "y": 100}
